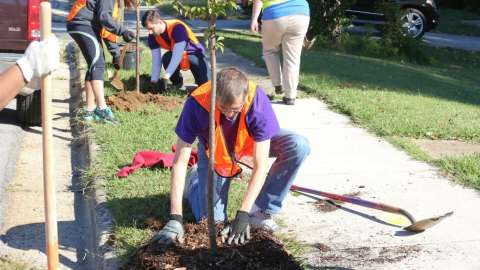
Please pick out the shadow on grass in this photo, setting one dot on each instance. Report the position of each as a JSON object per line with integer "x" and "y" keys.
{"x": 448, "y": 84}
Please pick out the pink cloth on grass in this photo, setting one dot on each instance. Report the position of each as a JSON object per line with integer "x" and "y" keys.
{"x": 149, "y": 158}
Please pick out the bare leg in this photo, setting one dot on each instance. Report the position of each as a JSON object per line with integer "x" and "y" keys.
{"x": 89, "y": 95}
{"x": 99, "y": 92}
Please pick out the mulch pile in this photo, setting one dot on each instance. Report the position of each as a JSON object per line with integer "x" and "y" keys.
{"x": 263, "y": 251}
{"x": 131, "y": 101}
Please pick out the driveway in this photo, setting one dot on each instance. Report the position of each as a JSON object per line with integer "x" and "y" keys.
{"x": 453, "y": 41}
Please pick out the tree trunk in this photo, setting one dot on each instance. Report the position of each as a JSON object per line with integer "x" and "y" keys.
{"x": 213, "y": 62}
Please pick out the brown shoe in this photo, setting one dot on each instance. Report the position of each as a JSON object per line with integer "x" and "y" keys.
{"x": 288, "y": 101}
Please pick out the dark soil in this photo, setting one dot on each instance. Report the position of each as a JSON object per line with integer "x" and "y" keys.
{"x": 131, "y": 101}
{"x": 263, "y": 251}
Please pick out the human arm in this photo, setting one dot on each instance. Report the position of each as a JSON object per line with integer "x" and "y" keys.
{"x": 179, "y": 171}
{"x": 256, "y": 9}
{"x": 259, "y": 174}
{"x": 173, "y": 231}
{"x": 11, "y": 81}
{"x": 177, "y": 55}
{"x": 156, "y": 64}
{"x": 103, "y": 14}
{"x": 40, "y": 58}
{"x": 239, "y": 230}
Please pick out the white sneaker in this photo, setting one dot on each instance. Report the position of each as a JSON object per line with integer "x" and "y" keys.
{"x": 262, "y": 220}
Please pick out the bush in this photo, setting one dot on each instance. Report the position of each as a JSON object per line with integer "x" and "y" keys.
{"x": 395, "y": 41}
{"x": 327, "y": 18}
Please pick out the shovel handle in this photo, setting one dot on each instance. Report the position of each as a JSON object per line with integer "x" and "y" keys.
{"x": 357, "y": 201}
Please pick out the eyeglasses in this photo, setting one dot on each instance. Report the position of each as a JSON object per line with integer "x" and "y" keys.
{"x": 229, "y": 110}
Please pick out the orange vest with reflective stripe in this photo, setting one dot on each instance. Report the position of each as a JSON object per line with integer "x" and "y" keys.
{"x": 115, "y": 15}
{"x": 79, "y": 4}
{"x": 227, "y": 164}
{"x": 185, "y": 63}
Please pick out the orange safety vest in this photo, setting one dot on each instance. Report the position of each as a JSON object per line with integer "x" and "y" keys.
{"x": 227, "y": 164}
{"x": 185, "y": 63}
{"x": 79, "y": 4}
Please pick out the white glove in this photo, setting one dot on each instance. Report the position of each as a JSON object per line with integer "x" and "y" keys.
{"x": 40, "y": 58}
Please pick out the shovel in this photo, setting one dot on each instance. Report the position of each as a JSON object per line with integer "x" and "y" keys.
{"x": 115, "y": 80}
{"x": 415, "y": 226}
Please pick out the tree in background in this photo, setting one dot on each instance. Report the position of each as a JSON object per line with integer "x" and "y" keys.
{"x": 327, "y": 19}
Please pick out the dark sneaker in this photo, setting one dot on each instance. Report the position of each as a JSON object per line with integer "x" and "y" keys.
{"x": 90, "y": 116}
{"x": 106, "y": 116}
{"x": 288, "y": 101}
{"x": 278, "y": 90}
{"x": 177, "y": 85}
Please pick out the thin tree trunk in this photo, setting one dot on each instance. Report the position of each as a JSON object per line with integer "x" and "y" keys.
{"x": 213, "y": 62}
{"x": 137, "y": 48}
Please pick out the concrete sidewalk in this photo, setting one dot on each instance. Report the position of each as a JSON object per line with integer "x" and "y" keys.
{"x": 347, "y": 159}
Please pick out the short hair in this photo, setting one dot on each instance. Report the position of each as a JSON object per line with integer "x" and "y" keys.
{"x": 150, "y": 16}
{"x": 232, "y": 84}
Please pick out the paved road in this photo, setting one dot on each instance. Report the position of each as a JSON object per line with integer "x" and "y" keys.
{"x": 11, "y": 135}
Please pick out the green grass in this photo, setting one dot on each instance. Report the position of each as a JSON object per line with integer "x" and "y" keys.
{"x": 392, "y": 98}
{"x": 451, "y": 22}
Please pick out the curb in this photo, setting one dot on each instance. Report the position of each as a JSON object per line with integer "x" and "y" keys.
{"x": 101, "y": 221}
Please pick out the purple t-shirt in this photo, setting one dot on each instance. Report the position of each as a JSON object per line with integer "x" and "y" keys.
{"x": 262, "y": 123}
{"x": 179, "y": 34}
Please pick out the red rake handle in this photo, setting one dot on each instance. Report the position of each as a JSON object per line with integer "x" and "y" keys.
{"x": 357, "y": 201}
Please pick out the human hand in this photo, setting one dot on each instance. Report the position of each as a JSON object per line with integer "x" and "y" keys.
{"x": 171, "y": 233}
{"x": 254, "y": 26}
{"x": 40, "y": 58}
{"x": 238, "y": 231}
{"x": 128, "y": 36}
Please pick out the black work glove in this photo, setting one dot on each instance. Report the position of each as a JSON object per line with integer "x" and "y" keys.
{"x": 239, "y": 230}
{"x": 116, "y": 63}
{"x": 171, "y": 233}
{"x": 128, "y": 36}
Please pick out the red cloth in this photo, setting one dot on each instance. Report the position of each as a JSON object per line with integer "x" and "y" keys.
{"x": 148, "y": 158}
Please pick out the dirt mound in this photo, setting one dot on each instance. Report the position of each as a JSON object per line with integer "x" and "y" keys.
{"x": 131, "y": 101}
{"x": 263, "y": 251}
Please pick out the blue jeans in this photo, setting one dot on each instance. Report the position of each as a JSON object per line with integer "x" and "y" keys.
{"x": 198, "y": 66}
{"x": 290, "y": 150}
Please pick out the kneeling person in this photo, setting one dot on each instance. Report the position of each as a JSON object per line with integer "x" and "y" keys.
{"x": 247, "y": 132}
{"x": 184, "y": 50}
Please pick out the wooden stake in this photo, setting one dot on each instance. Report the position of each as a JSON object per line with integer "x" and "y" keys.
{"x": 51, "y": 235}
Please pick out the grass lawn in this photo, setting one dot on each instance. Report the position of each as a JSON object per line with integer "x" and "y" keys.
{"x": 396, "y": 99}
{"x": 451, "y": 22}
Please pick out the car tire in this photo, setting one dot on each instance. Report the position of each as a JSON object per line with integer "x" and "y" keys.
{"x": 414, "y": 22}
{"x": 29, "y": 109}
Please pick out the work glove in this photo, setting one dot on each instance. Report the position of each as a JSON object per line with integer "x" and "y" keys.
{"x": 238, "y": 231}
{"x": 128, "y": 36}
{"x": 40, "y": 58}
{"x": 116, "y": 63}
{"x": 171, "y": 233}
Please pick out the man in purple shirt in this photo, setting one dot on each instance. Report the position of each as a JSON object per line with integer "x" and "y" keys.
{"x": 184, "y": 50}
{"x": 244, "y": 114}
